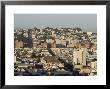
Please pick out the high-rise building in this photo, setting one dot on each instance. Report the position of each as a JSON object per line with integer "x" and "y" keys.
{"x": 79, "y": 56}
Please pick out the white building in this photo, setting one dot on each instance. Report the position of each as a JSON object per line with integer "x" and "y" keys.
{"x": 94, "y": 64}
{"x": 79, "y": 56}
{"x": 14, "y": 59}
{"x": 89, "y": 33}
{"x": 58, "y": 41}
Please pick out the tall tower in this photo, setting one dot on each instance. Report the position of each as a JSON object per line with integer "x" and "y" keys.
{"x": 79, "y": 56}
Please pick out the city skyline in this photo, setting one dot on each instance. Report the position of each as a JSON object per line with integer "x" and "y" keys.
{"x": 55, "y": 45}
{"x": 87, "y": 22}
{"x": 55, "y": 52}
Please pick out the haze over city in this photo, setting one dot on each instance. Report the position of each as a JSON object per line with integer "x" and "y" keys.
{"x": 87, "y": 22}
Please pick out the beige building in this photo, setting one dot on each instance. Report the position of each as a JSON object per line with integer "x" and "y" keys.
{"x": 58, "y": 41}
{"x": 94, "y": 64}
{"x": 33, "y": 36}
{"x": 18, "y": 44}
{"x": 79, "y": 56}
{"x": 89, "y": 33}
{"x": 63, "y": 42}
{"x": 34, "y": 43}
{"x": 14, "y": 59}
{"x": 73, "y": 43}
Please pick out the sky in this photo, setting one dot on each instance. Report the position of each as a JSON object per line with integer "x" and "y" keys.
{"x": 87, "y": 22}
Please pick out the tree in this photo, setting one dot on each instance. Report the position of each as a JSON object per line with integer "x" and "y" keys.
{"x": 33, "y": 55}
{"x": 91, "y": 53}
{"x": 36, "y": 29}
{"x": 78, "y": 29}
{"x": 17, "y": 54}
{"x": 68, "y": 66}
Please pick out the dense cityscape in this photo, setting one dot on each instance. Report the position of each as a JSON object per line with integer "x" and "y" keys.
{"x": 54, "y": 52}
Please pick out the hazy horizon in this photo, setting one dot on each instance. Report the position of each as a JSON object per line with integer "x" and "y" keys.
{"x": 87, "y": 22}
